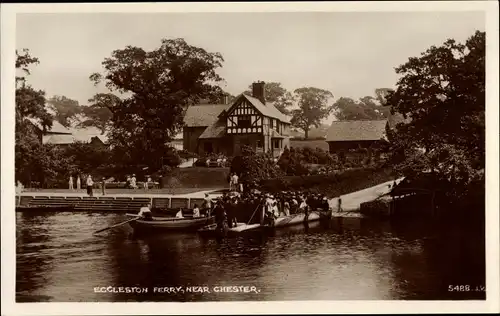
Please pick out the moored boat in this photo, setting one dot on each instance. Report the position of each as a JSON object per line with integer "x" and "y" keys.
{"x": 165, "y": 224}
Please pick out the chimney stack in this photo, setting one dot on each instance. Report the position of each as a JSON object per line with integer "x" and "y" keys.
{"x": 259, "y": 92}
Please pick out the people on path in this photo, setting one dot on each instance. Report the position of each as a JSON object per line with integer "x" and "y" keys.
{"x": 103, "y": 186}
{"x": 90, "y": 185}
{"x": 235, "y": 179}
{"x": 70, "y": 182}
{"x": 145, "y": 212}
{"x": 19, "y": 190}
{"x": 78, "y": 183}
{"x": 339, "y": 204}
{"x": 133, "y": 182}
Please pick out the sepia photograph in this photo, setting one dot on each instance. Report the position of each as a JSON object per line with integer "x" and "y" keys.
{"x": 246, "y": 155}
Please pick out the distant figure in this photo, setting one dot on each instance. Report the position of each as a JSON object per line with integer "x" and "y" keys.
{"x": 145, "y": 212}
{"x": 103, "y": 186}
{"x": 234, "y": 179}
{"x": 90, "y": 185}
{"x": 179, "y": 214}
{"x": 133, "y": 182}
{"x": 207, "y": 204}
{"x": 78, "y": 182}
{"x": 19, "y": 190}
{"x": 339, "y": 204}
{"x": 196, "y": 211}
{"x": 128, "y": 185}
{"x": 70, "y": 182}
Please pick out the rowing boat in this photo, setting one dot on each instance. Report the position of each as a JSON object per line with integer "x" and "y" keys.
{"x": 169, "y": 223}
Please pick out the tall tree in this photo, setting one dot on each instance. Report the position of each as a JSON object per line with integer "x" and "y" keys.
{"x": 278, "y": 95}
{"x": 65, "y": 109}
{"x": 157, "y": 86}
{"x": 443, "y": 94}
{"x": 366, "y": 108}
{"x": 99, "y": 113}
{"x": 313, "y": 107}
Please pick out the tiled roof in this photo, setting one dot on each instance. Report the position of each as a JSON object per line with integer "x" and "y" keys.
{"x": 275, "y": 134}
{"x": 216, "y": 130}
{"x": 56, "y": 126}
{"x": 203, "y": 114}
{"x": 268, "y": 109}
{"x": 62, "y": 139}
{"x": 356, "y": 130}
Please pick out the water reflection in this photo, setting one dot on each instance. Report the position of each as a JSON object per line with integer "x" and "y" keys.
{"x": 58, "y": 259}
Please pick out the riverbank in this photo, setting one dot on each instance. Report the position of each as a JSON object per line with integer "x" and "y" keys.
{"x": 350, "y": 202}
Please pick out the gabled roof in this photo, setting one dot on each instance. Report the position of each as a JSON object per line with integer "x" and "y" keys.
{"x": 62, "y": 139}
{"x": 56, "y": 126}
{"x": 356, "y": 130}
{"x": 268, "y": 109}
{"x": 216, "y": 130}
{"x": 203, "y": 115}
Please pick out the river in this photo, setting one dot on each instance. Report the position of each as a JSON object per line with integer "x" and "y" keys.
{"x": 60, "y": 260}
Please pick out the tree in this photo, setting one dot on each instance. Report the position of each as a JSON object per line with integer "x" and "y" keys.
{"x": 30, "y": 103}
{"x": 367, "y": 108}
{"x": 313, "y": 107}
{"x": 100, "y": 111}
{"x": 65, "y": 109}
{"x": 276, "y": 94}
{"x": 442, "y": 92}
{"x": 156, "y": 87}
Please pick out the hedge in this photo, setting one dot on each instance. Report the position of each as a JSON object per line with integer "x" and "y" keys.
{"x": 332, "y": 184}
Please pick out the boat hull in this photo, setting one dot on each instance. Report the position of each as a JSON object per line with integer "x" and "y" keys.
{"x": 166, "y": 224}
{"x": 281, "y": 222}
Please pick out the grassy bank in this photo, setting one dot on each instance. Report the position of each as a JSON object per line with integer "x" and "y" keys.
{"x": 295, "y": 143}
{"x": 334, "y": 184}
{"x": 197, "y": 177}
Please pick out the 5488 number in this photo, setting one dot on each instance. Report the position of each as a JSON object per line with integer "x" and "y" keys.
{"x": 465, "y": 288}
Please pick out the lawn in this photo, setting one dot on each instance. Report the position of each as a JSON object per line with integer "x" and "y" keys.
{"x": 309, "y": 143}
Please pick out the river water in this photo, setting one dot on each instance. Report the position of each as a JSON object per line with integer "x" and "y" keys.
{"x": 60, "y": 260}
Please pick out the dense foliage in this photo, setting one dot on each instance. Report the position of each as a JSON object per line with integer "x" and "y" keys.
{"x": 155, "y": 87}
{"x": 366, "y": 108}
{"x": 312, "y": 108}
{"x": 442, "y": 92}
{"x": 253, "y": 167}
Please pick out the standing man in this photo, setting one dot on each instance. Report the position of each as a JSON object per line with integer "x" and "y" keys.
{"x": 103, "y": 186}
{"x": 90, "y": 185}
{"x": 207, "y": 205}
{"x": 78, "y": 182}
{"x": 71, "y": 182}
{"x": 133, "y": 182}
{"x": 235, "y": 181}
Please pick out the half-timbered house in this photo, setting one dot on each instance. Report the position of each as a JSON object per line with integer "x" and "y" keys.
{"x": 226, "y": 128}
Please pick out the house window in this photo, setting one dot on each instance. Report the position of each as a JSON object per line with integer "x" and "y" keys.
{"x": 258, "y": 144}
{"x": 244, "y": 121}
{"x": 271, "y": 123}
{"x": 276, "y": 143}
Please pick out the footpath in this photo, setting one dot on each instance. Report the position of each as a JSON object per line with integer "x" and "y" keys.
{"x": 351, "y": 202}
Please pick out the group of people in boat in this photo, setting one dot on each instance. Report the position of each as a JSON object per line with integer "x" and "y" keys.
{"x": 233, "y": 207}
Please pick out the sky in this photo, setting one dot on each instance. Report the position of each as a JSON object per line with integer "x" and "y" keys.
{"x": 348, "y": 53}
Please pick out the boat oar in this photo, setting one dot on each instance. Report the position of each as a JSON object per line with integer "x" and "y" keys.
{"x": 119, "y": 224}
